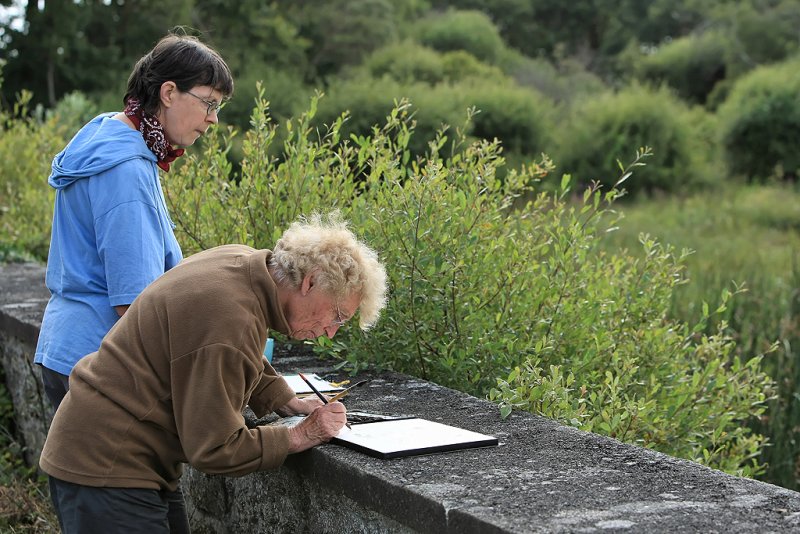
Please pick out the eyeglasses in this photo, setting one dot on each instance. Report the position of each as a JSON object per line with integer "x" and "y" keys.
{"x": 339, "y": 320}
{"x": 212, "y": 105}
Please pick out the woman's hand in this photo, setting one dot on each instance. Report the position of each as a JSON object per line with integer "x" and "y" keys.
{"x": 299, "y": 406}
{"x": 324, "y": 423}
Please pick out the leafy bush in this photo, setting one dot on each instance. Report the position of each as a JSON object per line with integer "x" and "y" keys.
{"x": 489, "y": 279}
{"x": 760, "y": 123}
{"x": 623, "y": 369}
{"x": 471, "y": 31}
{"x": 519, "y": 117}
{"x": 603, "y": 130}
{"x": 27, "y": 145}
{"x": 460, "y": 65}
{"x": 408, "y": 62}
{"x": 566, "y": 82}
{"x": 691, "y": 65}
{"x": 73, "y": 111}
{"x": 286, "y": 92}
{"x": 722, "y": 226}
{"x": 367, "y": 101}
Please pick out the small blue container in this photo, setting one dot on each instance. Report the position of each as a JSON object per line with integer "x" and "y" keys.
{"x": 268, "y": 349}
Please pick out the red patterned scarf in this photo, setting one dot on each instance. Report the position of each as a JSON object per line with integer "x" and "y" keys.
{"x": 153, "y": 134}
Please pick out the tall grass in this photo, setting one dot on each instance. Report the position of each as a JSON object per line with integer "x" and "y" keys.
{"x": 745, "y": 239}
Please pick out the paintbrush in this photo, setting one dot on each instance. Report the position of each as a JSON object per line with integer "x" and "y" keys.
{"x": 346, "y": 391}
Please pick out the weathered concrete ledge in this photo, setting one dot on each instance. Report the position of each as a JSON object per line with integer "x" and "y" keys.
{"x": 543, "y": 477}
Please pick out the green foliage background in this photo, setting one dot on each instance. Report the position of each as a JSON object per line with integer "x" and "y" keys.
{"x": 495, "y": 288}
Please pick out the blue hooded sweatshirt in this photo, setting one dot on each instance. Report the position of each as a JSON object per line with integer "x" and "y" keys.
{"x": 111, "y": 237}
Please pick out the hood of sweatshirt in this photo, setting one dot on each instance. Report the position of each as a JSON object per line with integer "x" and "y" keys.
{"x": 102, "y": 143}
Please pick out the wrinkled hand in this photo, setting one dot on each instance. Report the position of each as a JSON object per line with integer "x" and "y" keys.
{"x": 323, "y": 424}
{"x": 299, "y": 406}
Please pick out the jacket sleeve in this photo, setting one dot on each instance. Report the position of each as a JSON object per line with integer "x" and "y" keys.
{"x": 209, "y": 389}
{"x": 271, "y": 392}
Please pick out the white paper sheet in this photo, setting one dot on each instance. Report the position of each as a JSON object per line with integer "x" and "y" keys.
{"x": 301, "y": 388}
{"x": 407, "y": 437}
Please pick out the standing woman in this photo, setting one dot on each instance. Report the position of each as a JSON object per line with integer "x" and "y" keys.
{"x": 111, "y": 233}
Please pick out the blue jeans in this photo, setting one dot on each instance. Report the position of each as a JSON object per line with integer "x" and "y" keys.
{"x": 86, "y": 509}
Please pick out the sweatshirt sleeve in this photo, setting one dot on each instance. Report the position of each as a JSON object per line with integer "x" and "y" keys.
{"x": 129, "y": 233}
{"x": 271, "y": 392}
{"x": 209, "y": 387}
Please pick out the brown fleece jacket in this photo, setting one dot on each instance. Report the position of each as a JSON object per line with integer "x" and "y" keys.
{"x": 170, "y": 381}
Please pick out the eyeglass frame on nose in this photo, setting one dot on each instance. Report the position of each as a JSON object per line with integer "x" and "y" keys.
{"x": 212, "y": 105}
{"x": 338, "y": 320}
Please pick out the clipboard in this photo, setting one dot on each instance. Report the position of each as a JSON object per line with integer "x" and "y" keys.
{"x": 400, "y": 436}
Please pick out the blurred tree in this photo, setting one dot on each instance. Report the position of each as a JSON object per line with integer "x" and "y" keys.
{"x": 762, "y": 31}
{"x": 343, "y": 32}
{"x": 32, "y": 53}
{"x": 594, "y": 30}
{"x": 259, "y": 43}
{"x": 84, "y": 45}
{"x": 471, "y": 31}
{"x": 252, "y": 33}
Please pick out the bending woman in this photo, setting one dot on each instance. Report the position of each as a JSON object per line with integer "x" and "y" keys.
{"x": 111, "y": 232}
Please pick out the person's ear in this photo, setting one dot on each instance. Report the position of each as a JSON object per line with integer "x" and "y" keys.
{"x": 308, "y": 283}
{"x": 167, "y": 93}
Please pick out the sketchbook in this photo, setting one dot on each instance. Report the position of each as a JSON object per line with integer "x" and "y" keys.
{"x": 398, "y": 436}
{"x": 301, "y": 388}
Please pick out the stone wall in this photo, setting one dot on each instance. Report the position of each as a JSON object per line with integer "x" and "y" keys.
{"x": 22, "y": 301}
{"x": 543, "y": 477}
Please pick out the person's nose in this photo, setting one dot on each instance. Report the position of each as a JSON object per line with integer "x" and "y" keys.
{"x": 331, "y": 331}
{"x": 212, "y": 117}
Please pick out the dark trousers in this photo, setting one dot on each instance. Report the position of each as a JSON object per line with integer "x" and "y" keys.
{"x": 88, "y": 510}
{"x": 56, "y": 385}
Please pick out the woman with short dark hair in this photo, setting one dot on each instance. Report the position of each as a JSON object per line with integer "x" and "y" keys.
{"x": 112, "y": 234}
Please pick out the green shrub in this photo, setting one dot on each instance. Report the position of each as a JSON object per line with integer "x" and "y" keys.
{"x": 406, "y": 62}
{"x": 367, "y": 101}
{"x": 27, "y": 146}
{"x": 488, "y": 276}
{"x": 691, "y": 65}
{"x": 760, "y": 123}
{"x": 471, "y": 31}
{"x": 73, "y": 111}
{"x": 746, "y": 237}
{"x": 602, "y": 130}
{"x": 566, "y": 82}
{"x": 460, "y": 65}
{"x": 409, "y": 62}
{"x": 520, "y": 118}
{"x": 285, "y": 90}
